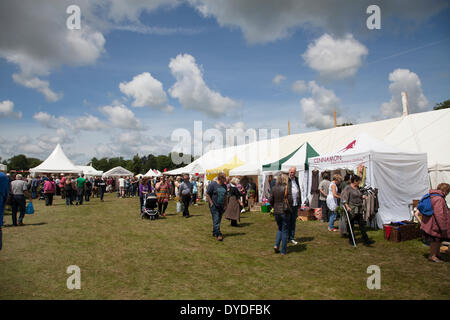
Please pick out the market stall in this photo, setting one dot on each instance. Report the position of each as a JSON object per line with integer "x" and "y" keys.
{"x": 399, "y": 176}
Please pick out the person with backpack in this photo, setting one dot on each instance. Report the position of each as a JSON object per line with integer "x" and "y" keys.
{"x": 435, "y": 220}
{"x": 216, "y": 194}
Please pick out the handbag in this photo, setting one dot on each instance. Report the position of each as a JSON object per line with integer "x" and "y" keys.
{"x": 286, "y": 206}
{"x": 30, "y": 208}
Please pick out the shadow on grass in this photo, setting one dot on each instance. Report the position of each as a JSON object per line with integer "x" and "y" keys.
{"x": 228, "y": 235}
{"x": 297, "y": 248}
{"x": 25, "y": 225}
{"x": 443, "y": 256}
{"x": 305, "y": 239}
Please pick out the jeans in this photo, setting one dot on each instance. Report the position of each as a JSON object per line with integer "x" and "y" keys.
{"x": 332, "y": 219}
{"x": 68, "y": 199}
{"x": 87, "y": 195}
{"x": 325, "y": 211}
{"x": 33, "y": 192}
{"x": 292, "y": 221}
{"x": 48, "y": 199}
{"x": 18, "y": 203}
{"x": 283, "y": 221}
{"x": 186, "y": 202}
{"x": 80, "y": 194}
{"x": 194, "y": 198}
{"x": 102, "y": 193}
{"x": 216, "y": 219}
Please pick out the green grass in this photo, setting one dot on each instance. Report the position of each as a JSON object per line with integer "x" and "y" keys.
{"x": 124, "y": 257}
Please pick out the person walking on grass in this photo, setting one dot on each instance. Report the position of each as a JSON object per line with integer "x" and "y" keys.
{"x": 49, "y": 191}
{"x": 294, "y": 199}
{"x": 324, "y": 185}
{"x": 235, "y": 205}
{"x": 145, "y": 187}
{"x": 162, "y": 189}
{"x": 437, "y": 226}
{"x": 352, "y": 199}
{"x": 4, "y": 194}
{"x": 68, "y": 190}
{"x": 279, "y": 202}
{"x": 186, "y": 195}
{"x": 19, "y": 190}
{"x": 194, "y": 191}
{"x": 81, "y": 189}
{"x": 216, "y": 195}
{"x": 332, "y": 200}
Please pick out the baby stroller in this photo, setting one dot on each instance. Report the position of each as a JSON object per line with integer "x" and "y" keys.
{"x": 149, "y": 209}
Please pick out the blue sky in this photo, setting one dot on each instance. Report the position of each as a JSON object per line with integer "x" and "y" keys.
{"x": 230, "y": 52}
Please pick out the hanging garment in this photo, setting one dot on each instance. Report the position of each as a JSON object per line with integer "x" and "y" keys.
{"x": 315, "y": 189}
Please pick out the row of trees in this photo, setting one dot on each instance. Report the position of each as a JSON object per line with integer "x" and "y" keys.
{"x": 21, "y": 162}
{"x": 137, "y": 164}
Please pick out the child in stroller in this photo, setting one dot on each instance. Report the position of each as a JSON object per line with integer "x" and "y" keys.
{"x": 149, "y": 208}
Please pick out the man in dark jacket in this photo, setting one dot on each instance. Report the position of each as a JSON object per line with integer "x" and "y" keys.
{"x": 294, "y": 198}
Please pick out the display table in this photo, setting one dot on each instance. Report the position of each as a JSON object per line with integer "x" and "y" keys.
{"x": 306, "y": 214}
{"x": 406, "y": 230}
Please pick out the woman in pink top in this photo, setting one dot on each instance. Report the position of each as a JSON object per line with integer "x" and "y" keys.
{"x": 49, "y": 191}
{"x": 437, "y": 226}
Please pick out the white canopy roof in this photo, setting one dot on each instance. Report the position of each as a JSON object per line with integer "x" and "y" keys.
{"x": 90, "y": 171}
{"x": 118, "y": 172}
{"x": 57, "y": 162}
{"x": 150, "y": 173}
{"x": 248, "y": 169}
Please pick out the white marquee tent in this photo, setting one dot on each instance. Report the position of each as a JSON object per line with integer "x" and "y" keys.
{"x": 57, "y": 162}
{"x": 150, "y": 173}
{"x": 90, "y": 171}
{"x": 399, "y": 176}
{"x": 118, "y": 172}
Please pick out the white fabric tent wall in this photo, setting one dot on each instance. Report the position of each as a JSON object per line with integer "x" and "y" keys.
{"x": 400, "y": 177}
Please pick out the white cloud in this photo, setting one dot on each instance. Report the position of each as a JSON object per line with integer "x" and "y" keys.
{"x": 335, "y": 58}
{"x": 38, "y": 84}
{"x": 7, "y": 110}
{"x": 299, "y": 86}
{"x": 191, "y": 90}
{"x": 89, "y": 123}
{"x": 278, "y": 79}
{"x": 33, "y": 35}
{"x": 404, "y": 80}
{"x": 121, "y": 117}
{"x": 50, "y": 121}
{"x": 146, "y": 91}
{"x": 264, "y": 21}
{"x": 318, "y": 110}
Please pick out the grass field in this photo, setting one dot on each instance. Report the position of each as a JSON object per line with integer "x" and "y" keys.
{"x": 124, "y": 257}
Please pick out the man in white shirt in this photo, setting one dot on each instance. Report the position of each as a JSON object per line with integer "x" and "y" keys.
{"x": 122, "y": 187}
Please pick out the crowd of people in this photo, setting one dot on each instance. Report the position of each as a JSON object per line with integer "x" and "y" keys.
{"x": 226, "y": 196}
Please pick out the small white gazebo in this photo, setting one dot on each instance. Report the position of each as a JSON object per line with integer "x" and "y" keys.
{"x": 118, "y": 172}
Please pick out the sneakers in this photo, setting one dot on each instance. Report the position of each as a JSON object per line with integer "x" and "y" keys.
{"x": 332, "y": 229}
{"x": 276, "y": 250}
{"x": 220, "y": 238}
{"x": 293, "y": 241}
